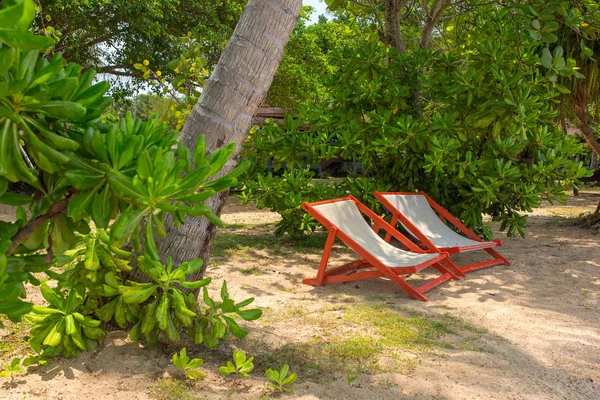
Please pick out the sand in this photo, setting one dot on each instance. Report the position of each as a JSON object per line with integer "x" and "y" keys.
{"x": 541, "y": 313}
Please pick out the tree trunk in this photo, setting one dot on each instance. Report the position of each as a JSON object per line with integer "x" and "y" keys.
{"x": 391, "y": 15}
{"x": 224, "y": 112}
{"x": 431, "y": 19}
{"x": 583, "y": 122}
{"x": 583, "y": 118}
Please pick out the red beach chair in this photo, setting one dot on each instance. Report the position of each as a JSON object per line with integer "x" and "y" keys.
{"x": 415, "y": 211}
{"x": 344, "y": 220}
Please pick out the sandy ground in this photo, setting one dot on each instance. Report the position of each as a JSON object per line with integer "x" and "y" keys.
{"x": 541, "y": 315}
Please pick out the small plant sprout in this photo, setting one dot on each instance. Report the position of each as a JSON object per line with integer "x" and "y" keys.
{"x": 191, "y": 368}
{"x": 242, "y": 366}
{"x": 351, "y": 378}
{"x": 279, "y": 379}
{"x": 12, "y": 369}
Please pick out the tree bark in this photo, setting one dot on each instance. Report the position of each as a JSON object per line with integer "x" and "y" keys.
{"x": 391, "y": 14}
{"x": 224, "y": 112}
{"x": 583, "y": 122}
{"x": 431, "y": 19}
{"x": 583, "y": 118}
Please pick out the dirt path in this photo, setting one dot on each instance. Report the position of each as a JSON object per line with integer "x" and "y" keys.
{"x": 526, "y": 331}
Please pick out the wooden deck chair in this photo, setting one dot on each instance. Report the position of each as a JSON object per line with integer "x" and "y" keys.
{"x": 415, "y": 211}
{"x": 344, "y": 220}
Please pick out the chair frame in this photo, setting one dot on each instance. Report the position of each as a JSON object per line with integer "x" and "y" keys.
{"x": 444, "y": 215}
{"x": 351, "y": 271}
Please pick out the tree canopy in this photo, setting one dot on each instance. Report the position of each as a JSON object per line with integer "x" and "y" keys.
{"x": 457, "y": 98}
{"x": 111, "y": 36}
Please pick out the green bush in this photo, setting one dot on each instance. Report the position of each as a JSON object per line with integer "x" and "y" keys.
{"x": 96, "y": 187}
{"x": 483, "y": 139}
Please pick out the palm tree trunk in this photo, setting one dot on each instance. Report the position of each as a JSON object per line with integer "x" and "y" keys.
{"x": 224, "y": 112}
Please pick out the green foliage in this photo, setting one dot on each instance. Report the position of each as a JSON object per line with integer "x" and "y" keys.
{"x": 284, "y": 194}
{"x": 191, "y": 368}
{"x": 243, "y": 366}
{"x": 97, "y": 186}
{"x": 60, "y": 328}
{"x": 217, "y": 319}
{"x": 10, "y": 370}
{"x": 483, "y": 139}
{"x": 92, "y": 32}
{"x": 311, "y": 58}
{"x": 280, "y": 379}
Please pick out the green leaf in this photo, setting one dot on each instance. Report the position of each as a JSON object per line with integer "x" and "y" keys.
{"x": 125, "y": 224}
{"x": 546, "y": 58}
{"x": 64, "y": 110}
{"x": 137, "y": 294}
{"x": 54, "y": 337}
{"x": 290, "y": 379}
{"x": 250, "y": 315}
{"x": 207, "y": 300}
{"x": 549, "y": 37}
{"x": 195, "y": 374}
{"x": 15, "y": 309}
{"x": 86, "y": 321}
{"x": 227, "y": 370}
{"x": 79, "y": 205}
{"x": 51, "y": 296}
{"x": 25, "y": 40}
{"x": 235, "y": 329}
{"x": 179, "y": 303}
{"x": 92, "y": 93}
{"x": 17, "y": 14}
{"x": 92, "y": 262}
{"x": 7, "y": 58}
{"x": 162, "y": 312}
{"x": 224, "y": 293}
{"x": 101, "y": 208}
{"x": 535, "y": 35}
{"x": 15, "y": 199}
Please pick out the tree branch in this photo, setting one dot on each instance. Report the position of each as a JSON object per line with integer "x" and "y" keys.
{"x": 55, "y": 209}
{"x": 431, "y": 20}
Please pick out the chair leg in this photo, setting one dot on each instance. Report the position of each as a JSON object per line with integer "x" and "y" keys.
{"x": 495, "y": 254}
{"x": 454, "y": 268}
{"x": 393, "y": 222}
{"x": 443, "y": 270}
{"x": 497, "y": 260}
{"x": 401, "y": 283}
{"x": 318, "y": 281}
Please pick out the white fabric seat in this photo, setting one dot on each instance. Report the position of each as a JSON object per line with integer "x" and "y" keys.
{"x": 349, "y": 220}
{"x": 418, "y": 211}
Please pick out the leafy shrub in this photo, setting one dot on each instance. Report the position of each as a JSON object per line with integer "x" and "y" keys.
{"x": 191, "y": 368}
{"x": 486, "y": 141}
{"x": 96, "y": 187}
{"x": 284, "y": 194}
{"x": 280, "y": 380}
{"x": 241, "y": 365}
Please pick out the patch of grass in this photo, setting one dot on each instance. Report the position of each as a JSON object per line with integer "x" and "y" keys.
{"x": 443, "y": 307}
{"x": 173, "y": 389}
{"x": 408, "y": 331}
{"x": 376, "y": 297}
{"x": 359, "y": 338}
{"x": 251, "y": 271}
{"x": 354, "y": 354}
{"x": 243, "y": 245}
{"x": 233, "y": 227}
{"x": 14, "y": 339}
